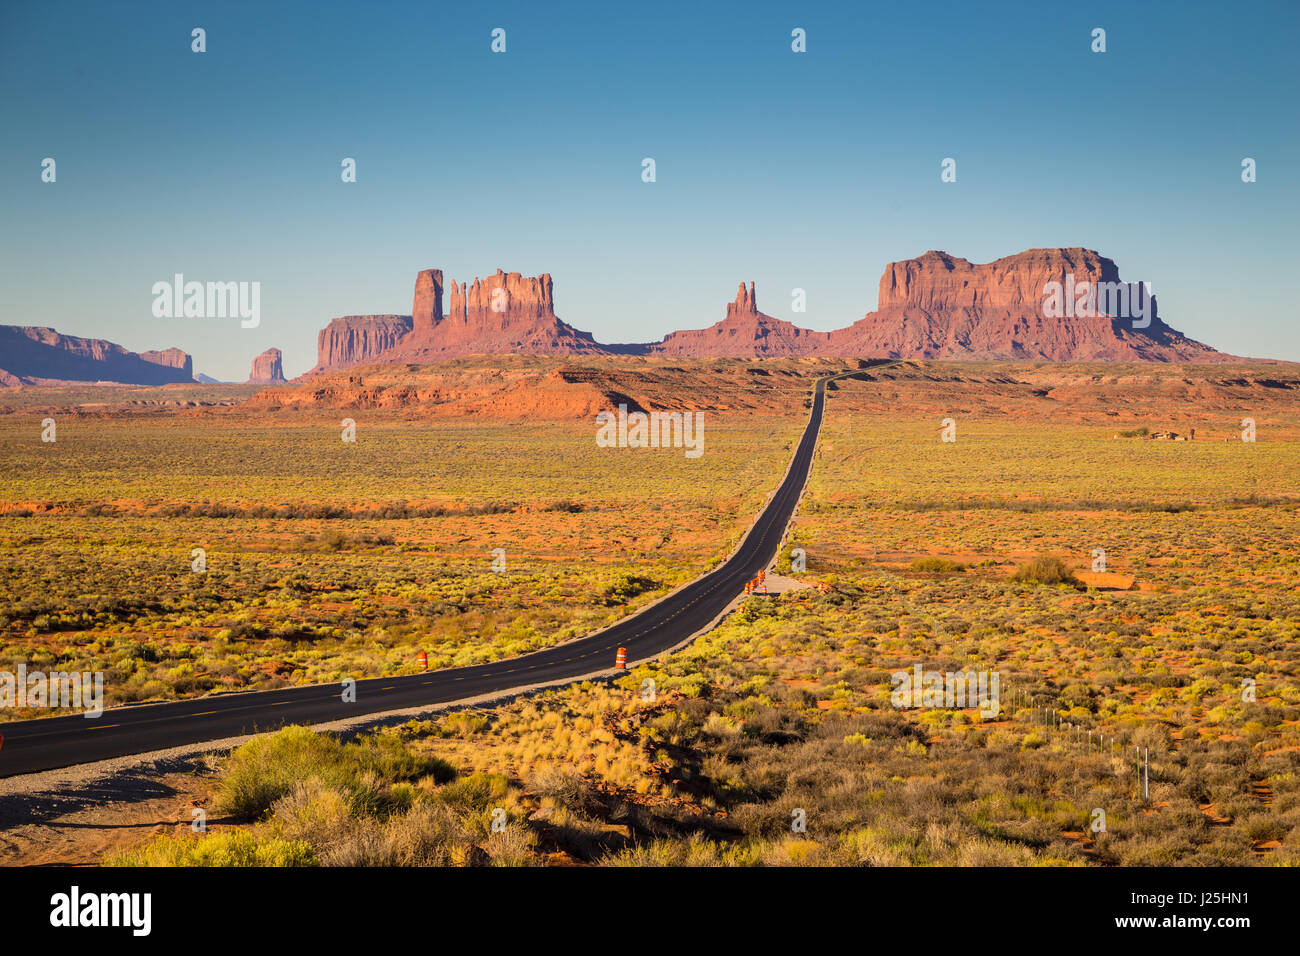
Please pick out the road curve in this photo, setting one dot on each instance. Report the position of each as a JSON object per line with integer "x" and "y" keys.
{"x": 48, "y": 743}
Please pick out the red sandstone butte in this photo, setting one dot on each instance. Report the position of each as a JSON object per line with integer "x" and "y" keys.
{"x": 354, "y": 339}
{"x": 506, "y": 313}
{"x": 266, "y": 369}
{"x": 937, "y": 306}
{"x": 171, "y": 358}
{"x": 745, "y": 332}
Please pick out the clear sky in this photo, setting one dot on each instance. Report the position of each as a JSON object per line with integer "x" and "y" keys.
{"x": 792, "y": 170}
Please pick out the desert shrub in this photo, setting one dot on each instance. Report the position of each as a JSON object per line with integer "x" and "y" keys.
{"x": 266, "y": 768}
{"x": 386, "y": 756}
{"x": 463, "y": 723}
{"x": 429, "y": 835}
{"x": 220, "y": 848}
{"x": 564, "y": 787}
{"x": 937, "y": 566}
{"x": 260, "y": 772}
{"x": 512, "y": 846}
{"x": 1045, "y": 570}
{"x": 695, "y": 851}
{"x": 313, "y": 813}
{"x": 628, "y": 586}
{"x": 475, "y": 793}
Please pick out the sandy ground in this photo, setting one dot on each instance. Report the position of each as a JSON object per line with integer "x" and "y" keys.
{"x": 77, "y": 826}
{"x": 780, "y": 584}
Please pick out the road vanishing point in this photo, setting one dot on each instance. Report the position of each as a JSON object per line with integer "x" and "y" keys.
{"x": 30, "y": 746}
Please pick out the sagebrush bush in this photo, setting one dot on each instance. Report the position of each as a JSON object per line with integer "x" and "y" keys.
{"x": 1045, "y": 570}
{"x": 937, "y": 566}
{"x": 265, "y": 769}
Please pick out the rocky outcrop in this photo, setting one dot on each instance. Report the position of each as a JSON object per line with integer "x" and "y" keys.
{"x": 171, "y": 358}
{"x": 506, "y": 313}
{"x": 745, "y": 332}
{"x": 267, "y": 369}
{"x": 426, "y": 310}
{"x": 938, "y": 306}
{"x": 354, "y": 339}
{"x": 506, "y": 297}
{"x": 935, "y": 306}
{"x": 35, "y": 355}
{"x": 746, "y": 302}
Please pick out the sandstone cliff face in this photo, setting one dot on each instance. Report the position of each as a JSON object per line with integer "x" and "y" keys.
{"x": 171, "y": 358}
{"x": 745, "y": 332}
{"x": 354, "y": 339}
{"x": 506, "y": 313}
{"x": 34, "y": 354}
{"x": 938, "y": 306}
{"x": 504, "y": 298}
{"x": 267, "y": 369}
{"x": 426, "y": 309}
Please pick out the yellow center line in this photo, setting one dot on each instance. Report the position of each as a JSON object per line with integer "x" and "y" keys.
{"x": 103, "y": 726}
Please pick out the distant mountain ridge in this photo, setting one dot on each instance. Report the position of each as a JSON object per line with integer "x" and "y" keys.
{"x": 33, "y": 355}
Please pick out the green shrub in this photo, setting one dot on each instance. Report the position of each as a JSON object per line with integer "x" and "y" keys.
{"x": 386, "y": 756}
{"x": 937, "y": 565}
{"x": 628, "y": 586}
{"x": 260, "y": 772}
{"x": 475, "y": 793}
{"x": 221, "y": 848}
{"x": 266, "y": 768}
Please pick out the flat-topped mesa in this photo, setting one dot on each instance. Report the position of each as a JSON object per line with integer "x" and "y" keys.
{"x": 936, "y": 281}
{"x": 743, "y": 333}
{"x": 171, "y": 358}
{"x": 938, "y": 306}
{"x": 267, "y": 369}
{"x": 353, "y": 339}
{"x": 503, "y": 299}
{"x": 30, "y": 354}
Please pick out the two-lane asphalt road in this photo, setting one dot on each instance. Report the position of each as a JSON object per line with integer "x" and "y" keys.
{"x": 48, "y": 743}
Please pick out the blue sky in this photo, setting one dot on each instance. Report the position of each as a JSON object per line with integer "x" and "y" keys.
{"x": 792, "y": 170}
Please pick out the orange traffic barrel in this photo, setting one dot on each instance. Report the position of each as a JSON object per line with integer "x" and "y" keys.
{"x": 423, "y": 660}
{"x": 620, "y": 659}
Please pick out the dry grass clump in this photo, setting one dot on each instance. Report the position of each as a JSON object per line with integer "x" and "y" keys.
{"x": 1047, "y": 569}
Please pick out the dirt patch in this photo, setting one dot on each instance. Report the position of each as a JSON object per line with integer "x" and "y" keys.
{"x": 77, "y": 827}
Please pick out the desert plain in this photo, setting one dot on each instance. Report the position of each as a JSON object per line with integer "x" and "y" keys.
{"x": 476, "y": 518}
